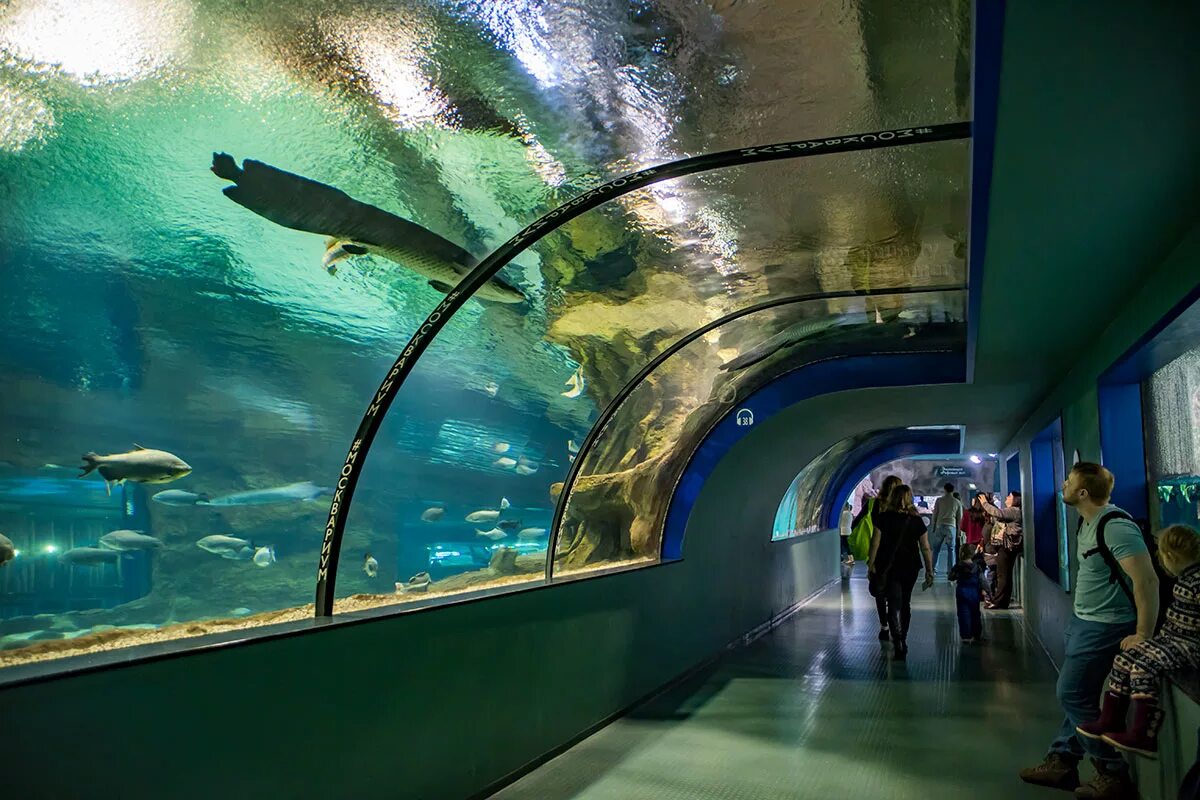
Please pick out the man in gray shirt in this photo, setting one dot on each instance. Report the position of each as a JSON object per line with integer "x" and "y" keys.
{"x": 945, "y": 526}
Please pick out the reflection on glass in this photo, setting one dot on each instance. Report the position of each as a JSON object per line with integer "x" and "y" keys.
{"x": 375, "y": 150}
{"x": 616, "y": 510}
{"x": 803, "y": 509}
{"x": 1171, "y": 398}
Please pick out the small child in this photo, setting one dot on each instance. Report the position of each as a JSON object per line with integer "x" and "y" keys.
{"x": 1136, "y": 672}
{"x": 968, "y": 593}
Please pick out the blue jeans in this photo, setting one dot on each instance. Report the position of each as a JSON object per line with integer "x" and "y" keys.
{"x": 1090, "y": 649}
{"x": 966, "y": 601}
{"x": 944, "y": 535}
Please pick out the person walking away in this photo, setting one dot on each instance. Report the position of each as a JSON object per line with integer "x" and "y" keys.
{"x": 945, "y": 526}
{"x": 968, "y": 594}
{"x": 1007, "y": 539}
{"x": 881, "y": 504}
{"x": 1104, "y": 621}
{"x": 1138, "y": 670}
{"x": 900, "y": 543}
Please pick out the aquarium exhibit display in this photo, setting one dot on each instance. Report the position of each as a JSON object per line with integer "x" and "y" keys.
{"x": 223, "y": 222}
{"x": 1171, "y": 398}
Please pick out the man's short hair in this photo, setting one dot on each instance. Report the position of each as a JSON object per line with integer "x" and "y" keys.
{"x": 1096, "y": 479}
{"x": 949, "y": 487}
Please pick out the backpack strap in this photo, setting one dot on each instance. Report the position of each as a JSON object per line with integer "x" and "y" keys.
{"x": 1114, "y": 569}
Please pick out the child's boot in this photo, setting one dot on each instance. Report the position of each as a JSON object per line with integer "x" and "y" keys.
{"x": 1112, "y": 717}
{"x": 1142, "y": 734}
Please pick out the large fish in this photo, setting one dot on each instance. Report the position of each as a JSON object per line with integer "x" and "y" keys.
{"x": 8, "y": 550}
{"x": 88, "y": 556}
{"x": 126, "y": 541}
{"x": 789, "y": 337}
{"x": 354, "y": 228}
{"x": 178, "y": 497}
{"x": 139, "y": 465}
{"x": 230, "y": 547}
{"x": 291, "y": 493}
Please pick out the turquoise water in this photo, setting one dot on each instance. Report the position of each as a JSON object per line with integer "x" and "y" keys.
{"x": 143, "y": 307}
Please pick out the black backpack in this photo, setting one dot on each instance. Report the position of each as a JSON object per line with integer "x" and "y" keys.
{"x": 1166, "y": 584}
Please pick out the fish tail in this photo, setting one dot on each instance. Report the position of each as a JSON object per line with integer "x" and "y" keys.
{"x": 90, "y": 462}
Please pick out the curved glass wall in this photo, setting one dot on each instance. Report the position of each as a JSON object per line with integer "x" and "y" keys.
{"x": 802, "y": 510}
{"x": 237, "y": 338}
{"x": 617, "y": 507}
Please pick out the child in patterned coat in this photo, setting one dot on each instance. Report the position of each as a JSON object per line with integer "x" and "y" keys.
{"x": 1137, "y": 672}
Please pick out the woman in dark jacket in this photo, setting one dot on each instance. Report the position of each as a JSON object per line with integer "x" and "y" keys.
{"x": 1007, "y": 538}
{"x": 880, "y": 504}
{"x": 898, "y": 547}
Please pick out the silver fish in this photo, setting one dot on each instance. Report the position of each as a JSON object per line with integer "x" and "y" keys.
{"x": 504, "y": 462}
{"x": 370, "y": 566}
{"x": 531, "y": 533}
{"x": 139, "y": 465}
{"x": 230, "y": 547}
{"x": 290, "y": 493}
{"x": 178, "y": 497}
{"x": 525, "y": 469}
{"x": 8, "y": 550}
{"x": 433, "y": 514}
{"x": 126, "y": 541}
{"x": 483, "y": 516}
{"x": 89, "y": 556}
{"x": 264, "y": 556}
{"x": 494, "y": 534}
{"x": 500, "y": 447}
{"x": 354, "y": 228}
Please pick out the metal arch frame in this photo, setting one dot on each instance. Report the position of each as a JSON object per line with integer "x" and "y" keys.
{"x": 351, "y": 470}
{"x": 598, "y": 427}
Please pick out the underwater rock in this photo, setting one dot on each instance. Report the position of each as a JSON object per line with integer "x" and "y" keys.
{"x": 64, "y": 624}
{"x": 504, "y": 561}
{"x": 417, "y": 583}
{"x": 44, "y": 635}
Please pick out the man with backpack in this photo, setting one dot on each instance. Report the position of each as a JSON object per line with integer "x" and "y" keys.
{"x": 1116, "y": 606}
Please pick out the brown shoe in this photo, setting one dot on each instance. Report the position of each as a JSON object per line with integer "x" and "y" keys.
{"x": 1108, "y": 786}
{"x": 1057, "y": 772}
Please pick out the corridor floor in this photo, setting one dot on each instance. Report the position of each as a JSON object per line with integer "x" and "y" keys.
{"x": 817, "y": 709}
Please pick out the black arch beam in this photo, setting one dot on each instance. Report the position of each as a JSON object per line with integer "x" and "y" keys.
{"x": 339, "y": 508}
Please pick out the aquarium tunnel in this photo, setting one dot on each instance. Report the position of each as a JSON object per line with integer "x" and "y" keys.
{"x": 458, "y": 398}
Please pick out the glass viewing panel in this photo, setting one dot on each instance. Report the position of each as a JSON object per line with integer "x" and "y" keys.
{"x": 617, "y": 507}
{"x": 1171, "y": 398}
{"x": 240, "y": 337}
{"x": 802, "y": 511}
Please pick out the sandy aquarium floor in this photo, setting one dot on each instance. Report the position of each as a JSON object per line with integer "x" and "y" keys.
{"x": 110, "y": 638}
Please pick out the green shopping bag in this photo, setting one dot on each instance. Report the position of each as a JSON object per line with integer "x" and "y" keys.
{"x": 860, "y": 536}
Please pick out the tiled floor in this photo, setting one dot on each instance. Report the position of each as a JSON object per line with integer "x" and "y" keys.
{"x": 817, "y": 710}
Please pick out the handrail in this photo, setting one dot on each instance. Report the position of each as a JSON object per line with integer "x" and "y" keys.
{"x": 610, "y": 410}
{"x": 347, "y": 481}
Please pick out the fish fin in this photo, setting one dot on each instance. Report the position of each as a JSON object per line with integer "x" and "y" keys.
{"x": 90, "y": 462}
{"x": 441, "y": 286}
{"x": 137, "y": 446}
{"x": 224, "y": 166}
{"x": 504, "y": 503}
